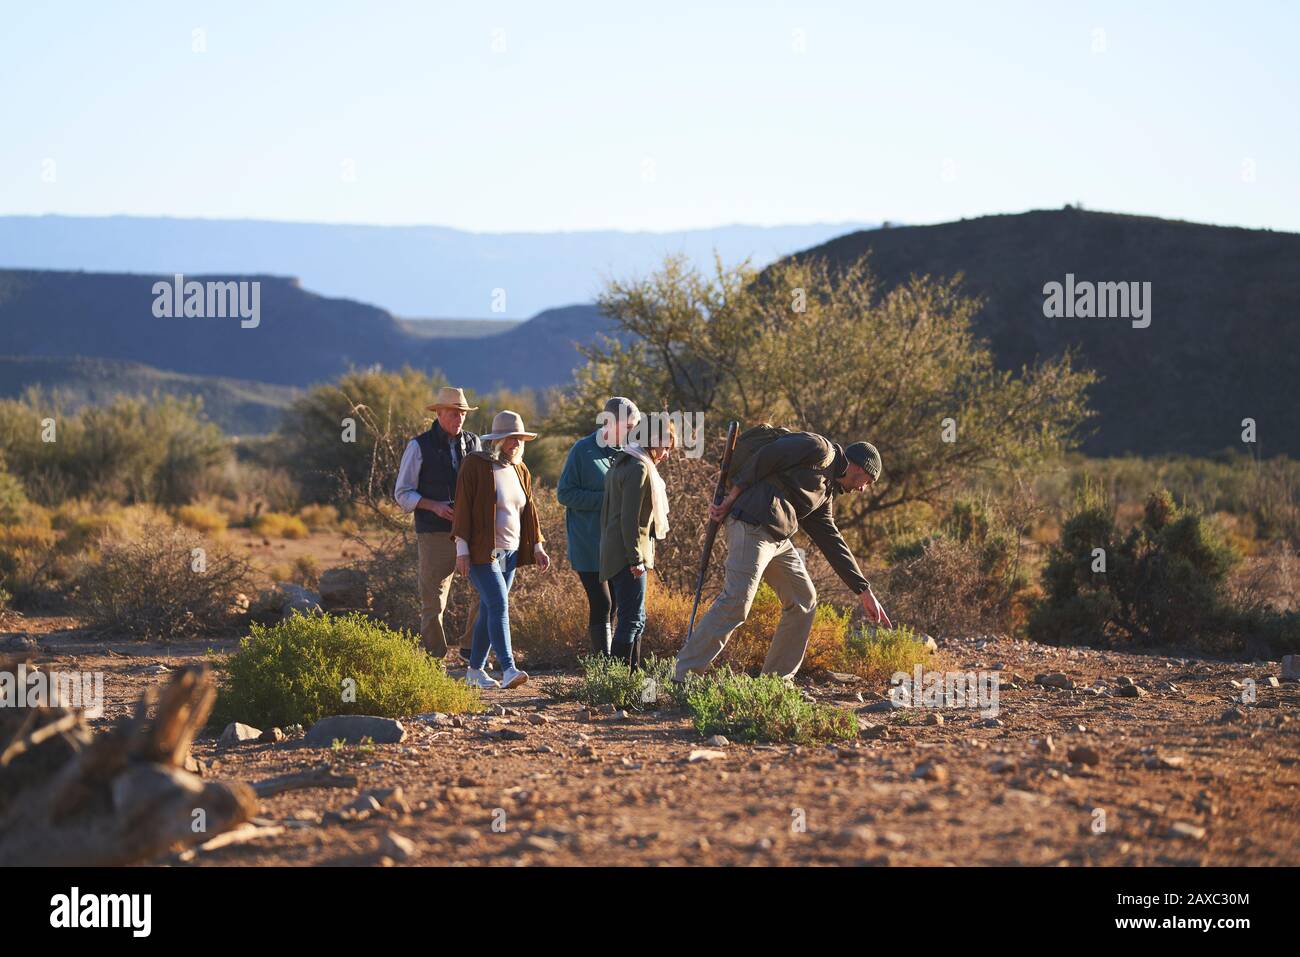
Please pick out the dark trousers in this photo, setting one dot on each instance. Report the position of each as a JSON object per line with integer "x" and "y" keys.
{"x": 629, "y": 598}
{"x": 601, "y": 607}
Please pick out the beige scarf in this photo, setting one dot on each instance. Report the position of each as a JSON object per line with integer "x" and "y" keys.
{"x": 658, "y": 491}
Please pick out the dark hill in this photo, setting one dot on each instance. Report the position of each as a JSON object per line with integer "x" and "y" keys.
{"x": 1224, "y": 338}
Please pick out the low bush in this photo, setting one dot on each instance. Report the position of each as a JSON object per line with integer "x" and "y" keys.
{"x": 1165, "y": 582}
{"x": 319, "y": 517}
{"x": 201, "y": 518}
{"x": 279, "y": 525}
{"x": 611, "y": 681}
{"x": 161, "y": 581}
{"x": 876, "y": 653}
{"x": 310, "y": 666}
{"x": 765, "y": 708}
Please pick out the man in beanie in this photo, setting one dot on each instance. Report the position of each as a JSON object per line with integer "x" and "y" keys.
{"x": 788, "y": 484}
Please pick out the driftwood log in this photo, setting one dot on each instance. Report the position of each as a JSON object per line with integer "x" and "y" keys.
{"x": 70, "y": 797}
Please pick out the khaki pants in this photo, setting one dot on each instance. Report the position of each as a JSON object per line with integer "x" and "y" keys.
{"x": 753, "y": 555}
{"x": 437, "y": 554}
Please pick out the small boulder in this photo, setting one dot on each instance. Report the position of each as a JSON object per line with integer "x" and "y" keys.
{"x": 353, "y": 729}
{"x": 344, "y": 588}
{"x": 237, "y": 733}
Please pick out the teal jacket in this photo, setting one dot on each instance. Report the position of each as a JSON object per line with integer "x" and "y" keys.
{"x": 581, "y": 491}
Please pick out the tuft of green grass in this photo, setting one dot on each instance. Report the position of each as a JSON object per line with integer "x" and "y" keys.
{"x": 877, "y": 653}
{"x": 609, "y": 681}
{"x": 309, "y": 666}
{"x": 765, "y": 708}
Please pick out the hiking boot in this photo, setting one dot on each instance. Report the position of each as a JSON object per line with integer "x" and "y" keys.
{"x": 513, "y": 678}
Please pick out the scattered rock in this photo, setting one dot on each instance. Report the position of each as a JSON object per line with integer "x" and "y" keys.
{"x": 1182, "y": 829}
{"x": 990, "y": 723}
{"x": 934, "y": 718}
{"x": 704, "y": 754}
{"x": 396, "y": 846}
{"x": 844, "y": 679}
{"x": 1129, "y": 691}
{"x": 237, "y": 733}
{"x": 465, "y": 836}
{"x": 1164, "y": 762}
{"x": 1291, "y": 667}
{"x": 1003, "y": 766}
{"x": 538, "y": 719}
{"x": 1046, "y": 744}
{"x": 620, "y": 715}
{"x": 1124, "y": 681}
{"x": 1232, "y": 716}
{"x": 344, "y": 588}
{"x": 1083, "y": 754}
{"x": 718, "y": 741}
{"x": 854, "y": 836}
{"x": 353, "y": 729}
{"x": 1055, "y": 680}
{"x": 878, "y": 707}
{"x": 931, "y": 771}
{"x": 272, "y": 736}
{"x": 545, "y": 845}
{"x": 930, "y": 644}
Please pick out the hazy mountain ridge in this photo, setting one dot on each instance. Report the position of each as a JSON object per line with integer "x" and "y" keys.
{"x": 412, "y": 270}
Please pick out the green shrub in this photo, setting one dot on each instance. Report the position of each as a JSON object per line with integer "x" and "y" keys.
{"x": 296, "y": 672}
{"x": 13, "y": 499}
{"x": 877, "y": 653}
{"x": 1164, "y": 582}
{"x": 159, "y": 449}
{"x": 765, "y": 708}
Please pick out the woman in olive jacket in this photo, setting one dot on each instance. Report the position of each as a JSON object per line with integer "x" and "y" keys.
{"x": 496, "y": 530}
{"x": 633, "y": 516}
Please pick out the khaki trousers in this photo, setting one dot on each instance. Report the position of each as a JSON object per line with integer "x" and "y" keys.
{"x": 754, "y": 556}
{"x": 437, "y": 554}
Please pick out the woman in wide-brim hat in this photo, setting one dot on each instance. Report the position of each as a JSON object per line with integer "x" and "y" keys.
{"x": 496, "y": 530}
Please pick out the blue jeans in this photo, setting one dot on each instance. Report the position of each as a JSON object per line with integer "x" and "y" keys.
{"x": 629, "y": 602}
{"x": 493, "y": 581}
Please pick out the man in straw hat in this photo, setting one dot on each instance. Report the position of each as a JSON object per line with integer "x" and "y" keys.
{"x": 426, "y": 488}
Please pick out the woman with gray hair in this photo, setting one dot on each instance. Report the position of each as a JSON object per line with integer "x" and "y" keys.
{"x": 581, "y": 490}
{"x": 496, "y": 530}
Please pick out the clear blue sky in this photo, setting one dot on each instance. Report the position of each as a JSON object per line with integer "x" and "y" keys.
{"x": 650, "y": 115}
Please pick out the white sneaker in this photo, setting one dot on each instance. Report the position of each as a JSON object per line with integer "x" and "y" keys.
{"x": 478, "y": 678}
{"x": 513, "y": 678}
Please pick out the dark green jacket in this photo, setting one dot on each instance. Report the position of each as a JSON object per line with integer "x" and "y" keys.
{"x": 789, "y": 485}
{"x": 625, "y": 536}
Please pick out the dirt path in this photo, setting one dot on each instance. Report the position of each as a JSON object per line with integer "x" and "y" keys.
{"x": 538, "y": 784}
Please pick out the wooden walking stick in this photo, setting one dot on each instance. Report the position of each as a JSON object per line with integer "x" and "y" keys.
{"x": 710, "y": 533}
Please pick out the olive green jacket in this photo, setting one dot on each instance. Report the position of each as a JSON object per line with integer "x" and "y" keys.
{"x": 625, "y": 532}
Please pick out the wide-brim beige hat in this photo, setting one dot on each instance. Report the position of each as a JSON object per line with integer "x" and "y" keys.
{"x": 505, "y": 424}
{"x": 449, "y": 398}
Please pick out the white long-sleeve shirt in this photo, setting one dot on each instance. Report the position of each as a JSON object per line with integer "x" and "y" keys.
{"x": 405, "y": 492}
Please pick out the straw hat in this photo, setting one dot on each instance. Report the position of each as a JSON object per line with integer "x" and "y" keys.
{"x": 505, "y": 424}
{"x": 449, "y": 398}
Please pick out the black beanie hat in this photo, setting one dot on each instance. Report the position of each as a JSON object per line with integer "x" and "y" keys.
{"x": 865, "y": 456}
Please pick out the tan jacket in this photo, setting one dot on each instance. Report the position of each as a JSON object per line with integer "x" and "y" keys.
{"x": 476, "y": 506}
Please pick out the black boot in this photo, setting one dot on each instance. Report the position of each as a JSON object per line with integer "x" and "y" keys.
{"x": 599, "y": 635}
{"x": 634, "y": 655}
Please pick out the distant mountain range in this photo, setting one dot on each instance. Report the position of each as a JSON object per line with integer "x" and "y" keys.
{"x": 411, "y": 270}
{"x": 1223, "y": 342}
